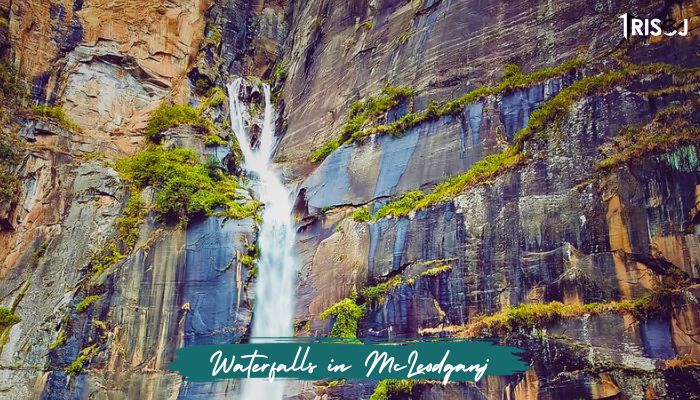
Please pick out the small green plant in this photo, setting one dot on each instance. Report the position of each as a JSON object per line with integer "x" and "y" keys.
{"x": 670, "y": 128}
{"x": 215, "y": 97}
{"x": 360, "y": 114}
{"x": 168, "y": 116}
{"x": 279, "y": 73}
{"x": 213, "y": 140}
{"x": 86, "y": 303}
{"x": 378, "y": 294}
{"x": 7, "y": 318}
{"x": 483, "y": 170}
{"x": 186, "y": 187}
{"x": 77, "y": 366}
{"x": 214, "y": 36}
{"x": 39, "y": 253}
{"x": 60, "y": 340}
{"x": 105, "y": 257}
{"x": 436, "y": 271}
{"x": 55, "y": 114}
{"x": 347, "y": 315}
{"x": 389, "y": 387}
{"x": 361, "y": 215}
{"x": 128, "y": 224}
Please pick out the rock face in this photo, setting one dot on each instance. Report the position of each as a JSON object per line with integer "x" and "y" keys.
{"x": 558, "y": 227}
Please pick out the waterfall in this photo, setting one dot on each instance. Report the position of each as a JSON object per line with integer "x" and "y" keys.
{"x": 277, "y": 265}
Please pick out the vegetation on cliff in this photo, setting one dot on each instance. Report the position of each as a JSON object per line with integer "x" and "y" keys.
{"x": 528, "y": 316}
{"x": 670, "y": 128}
{"x": 86, "y": 303}
{"x": 677, "y": 130}
{"x": 346, "y": 314}
{"x": 86, "y": 354}
{"x": 168, "y": 116}
{"x": 186, "y": 187}
{"x": 7, "y": 318}
{"x": 482, "y": 171}
{"x": 12, "y": 95}
{"x": 361, "y": 114}
{"x": 356, "y": 128}
{"x": 388, "y": 387}
{"x": 55, "y": 114}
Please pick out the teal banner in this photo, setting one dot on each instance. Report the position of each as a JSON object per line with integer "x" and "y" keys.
{"x": 319, "y": 359}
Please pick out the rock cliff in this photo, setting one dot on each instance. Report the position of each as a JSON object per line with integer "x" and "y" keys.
{"x": 513, "y": 170}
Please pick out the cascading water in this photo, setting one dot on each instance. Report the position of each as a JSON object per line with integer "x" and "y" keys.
{"x": 277, "y": 266}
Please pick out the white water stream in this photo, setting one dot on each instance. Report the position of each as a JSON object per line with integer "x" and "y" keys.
{"x": 277, "y": 264}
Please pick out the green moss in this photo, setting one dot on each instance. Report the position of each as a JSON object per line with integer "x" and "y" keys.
{"x": 186, "y": 187}
{"x": 215, "y": 97}
{"x": 538, "y": 315}
{"x": 168, "y": 116}
{"x": 347, "y": 315}
{"x": 214, "y": 36}
{"x": 378, "y": 294}
{"x": 405, "y": 36}
{"x": 676, "y": 134}
{"x": 321, "y": 153}
{"x": 248, "y": 261}
{"x": 128, "y": 224}
{"x": 86, "y": 303}
{"x": 214, "y": 139}
{"x": 60, "y": 340}
{"x": 279, "y": 73}
{"x": 55, "y": 114}
{"x": 367, "y": 25}
{"x": 105, "y": 257}
{"x": 554, "y": 109}
{"x": 388, "y": 388}
{"x": 7, "y": 318}
{"x": 435, "y": 271}
{"x": 361, "y": 215}
{"x": 39, "y": 253}
{"x": 86, "y": 354}
{"x": 670, "y": 129}
{"x": 357, "y": 126}
{"x": 481, "y": 171}
{"x": 360, "y": 114}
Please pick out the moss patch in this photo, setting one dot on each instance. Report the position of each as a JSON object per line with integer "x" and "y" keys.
{"x": 482, "y": 171}
{"x": 347, "y": 315}
{"x": 168, "y": 116}
{"x": 60, "y": 340}
{"x": 128, "y": 223}
{"x": 670, "y": 129}
{"x": 361, "y": 114}
{"x": 356, "y": 128}
{"x": 86, "y": 303}
{"x": 186, "y": 187}
{"x": 538, "y": 315}
{"x": 378, "y": 294}
{"x": 86, "y": 354}
{"x": 361, "y": 215}
{"x": 7, "y": 318}
{"x": 388, "y": 388}
{"x": 55, "y": 114}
